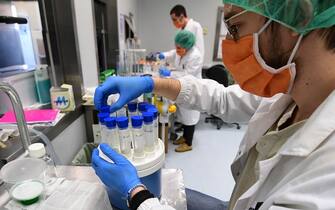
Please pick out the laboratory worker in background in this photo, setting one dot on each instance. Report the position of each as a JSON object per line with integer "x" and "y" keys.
{"x": 181, "y": 21}
{"x": 283, "y": 51}
{"x": 187, "y": 60}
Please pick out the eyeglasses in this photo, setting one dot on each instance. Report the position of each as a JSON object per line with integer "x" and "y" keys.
{"x": 233, "y": 29}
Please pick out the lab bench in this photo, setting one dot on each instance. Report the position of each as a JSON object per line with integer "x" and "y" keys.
{"x": 172, "y": 181}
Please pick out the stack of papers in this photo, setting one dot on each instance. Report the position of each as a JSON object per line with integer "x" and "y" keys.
{"x": 48, "y": 117}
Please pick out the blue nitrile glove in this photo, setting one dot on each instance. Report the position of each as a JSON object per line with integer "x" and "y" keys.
{"x": 164, "y": 72}
{"x": 129, "y": 89}
{"x": 120, "y": 176}
{"x": 161, "y": 56}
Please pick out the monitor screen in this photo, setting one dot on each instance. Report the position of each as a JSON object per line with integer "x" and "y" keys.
{"x": 11, "y": 54}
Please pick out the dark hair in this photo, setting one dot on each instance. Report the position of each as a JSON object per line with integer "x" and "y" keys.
{"x": 178, "y": 10}
{"x": 328, "y": 35}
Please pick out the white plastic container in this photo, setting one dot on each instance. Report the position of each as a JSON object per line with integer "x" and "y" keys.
{"x": 27, "y": 192}
{"x": 23, "y": 169}
{"x": 24, "y": 180}
{"x": 125, "y": 136}
{"x": 112, "y": 134}
{"x": 148, "y": 128}
{"x": 38, "y": 151}
{"x": 138, "y": 137}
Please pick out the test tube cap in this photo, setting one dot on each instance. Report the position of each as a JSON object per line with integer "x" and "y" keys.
{"x": 122, "y": 122}
{"x": 148, "y": 117}
{"x": 136, "y": 121}
{"x": 149, "y": 106}
{"x": 37, "y": 150}
{"x": 102, "y": 117}
{"x": 142, "y": 107}
{"x": 110, "y": 122}
{"x": 154, "y": 111}
{"x": 105, "y": 109}
{"x": 132, "y": 106}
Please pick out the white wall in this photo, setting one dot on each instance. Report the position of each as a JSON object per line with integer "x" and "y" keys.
{"x": 5, "y": 8}
{"x": 156, "y": 30}
{"x": 87, "y": 42}
{"x": 124, "y": 7}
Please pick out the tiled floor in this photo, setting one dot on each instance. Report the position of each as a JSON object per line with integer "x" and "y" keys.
{"x": 207, "y": 167}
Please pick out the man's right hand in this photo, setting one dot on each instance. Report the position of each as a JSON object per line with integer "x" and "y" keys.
{"x": 129, "y": 88}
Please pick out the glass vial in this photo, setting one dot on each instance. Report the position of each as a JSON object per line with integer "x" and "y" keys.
{"x": 125, "y": 136}
{"x": 112, "y": 134}
{"x": 138, "y": 137}
{"x": 148, "y": 132}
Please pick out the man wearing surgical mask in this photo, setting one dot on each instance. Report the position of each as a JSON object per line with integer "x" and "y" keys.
{"x": 282, "y": 54}
{"x": 181, "y": 21}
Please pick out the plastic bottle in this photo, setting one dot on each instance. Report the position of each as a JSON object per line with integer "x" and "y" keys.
{"x": 125, "y": 136}
{"x": 138, "y": 137}
{"x": 102, "y": 116}
{"x": 43, "y": 85}
{"x": 112, "y": 134}
{"x": 154, "y": 111}
{"x": 38, "y": 150}
{"x": 148, "y": 127}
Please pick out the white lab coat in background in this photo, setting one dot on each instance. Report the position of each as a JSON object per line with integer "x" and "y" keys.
{"x": 197, "y": 30}
{"x": 300, "y": 176}
{"x": 190, "y": 64}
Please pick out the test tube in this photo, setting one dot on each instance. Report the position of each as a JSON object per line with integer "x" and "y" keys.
{"x": 113, "y": 136}
{"x": 148, "y": 132}
{"x": 138, "y": 137}
{"x": 102, "y": 116}
{"x": 154, "y": 111}
{"x": 125, "y": 136}
{"x": 132, "y": 109}
{"x": 106, "y": 109}
{"x": 142, "y": 107}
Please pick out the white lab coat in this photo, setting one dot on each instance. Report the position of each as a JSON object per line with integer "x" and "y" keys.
{"x": 190, "y": 64}
{"x": 301, "y": 175}
{"x": 197, "y": 30}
